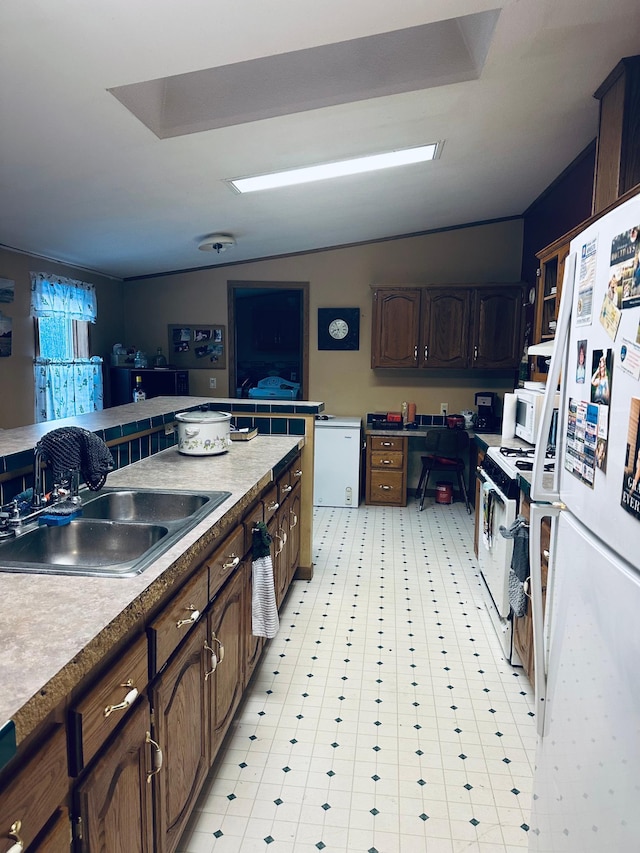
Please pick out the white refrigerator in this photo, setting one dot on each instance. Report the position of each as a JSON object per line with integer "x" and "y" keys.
{"x": 586, "y": 788}
{"x": 336, "y": 464}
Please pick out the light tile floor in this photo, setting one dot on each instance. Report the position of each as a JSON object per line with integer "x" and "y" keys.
{"x": 382, "y": 718}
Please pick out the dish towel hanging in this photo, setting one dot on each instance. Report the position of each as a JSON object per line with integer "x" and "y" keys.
{"x": 264, "y": 613}
{"x": 487, "y": 521}
{"x": 519, "y": 571}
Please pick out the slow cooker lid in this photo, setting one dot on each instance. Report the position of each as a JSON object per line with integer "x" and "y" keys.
{"x": 203, "y": 417}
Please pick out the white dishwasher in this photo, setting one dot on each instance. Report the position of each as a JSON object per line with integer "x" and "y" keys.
{"x": 338, "y": 449}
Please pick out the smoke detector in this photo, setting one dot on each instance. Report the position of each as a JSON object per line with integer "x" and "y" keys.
{"x": 217, "y": 243}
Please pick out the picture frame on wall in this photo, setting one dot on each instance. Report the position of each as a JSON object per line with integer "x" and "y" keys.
{"x": 197, "y": 345}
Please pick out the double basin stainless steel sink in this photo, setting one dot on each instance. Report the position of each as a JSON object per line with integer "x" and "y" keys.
{"x": 119, "y": 533}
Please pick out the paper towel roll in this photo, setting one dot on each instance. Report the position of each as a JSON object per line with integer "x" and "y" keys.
{"x": 508, "y": 417}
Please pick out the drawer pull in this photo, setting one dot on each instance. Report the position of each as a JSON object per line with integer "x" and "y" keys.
{"x": 297, "y": 473}
{"x": 286, "y": 489}
{"x": 14, "y": 835}
{"x": 233, "y": 562}
{"x": 386, "y": 443}
{"x": 386, "y": 461}
{"x": 545, "y": 554}
{"x": 272, "y": 507}
{"x": 386, "y": 488}
{"x": 157, "y": 757}
{"x": 216, "y": 658}
{"x": 195, "y": 615}
{"x": 127, "y": 702}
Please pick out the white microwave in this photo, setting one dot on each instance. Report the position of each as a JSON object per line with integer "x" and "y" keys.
{"x": 529, "y": 405}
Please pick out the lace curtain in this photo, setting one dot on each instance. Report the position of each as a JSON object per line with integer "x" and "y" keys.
{"x": 65, "y": 383}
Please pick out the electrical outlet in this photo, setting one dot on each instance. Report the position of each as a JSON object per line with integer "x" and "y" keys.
{"x": 444, "y": 408}
{"x": 212, "y": 382}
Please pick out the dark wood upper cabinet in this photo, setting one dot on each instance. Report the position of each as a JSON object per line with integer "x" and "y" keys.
{"x": 618, "y": 152}
{"x": 447, "y": 327}
{"x": 396, "y": 327}
{"x": 497, "y": 319}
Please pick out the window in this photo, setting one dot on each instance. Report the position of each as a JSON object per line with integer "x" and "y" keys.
{"x": 67, "y": 380}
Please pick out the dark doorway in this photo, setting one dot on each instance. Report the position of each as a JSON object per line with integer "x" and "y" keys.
{"x": 268, "y": 323}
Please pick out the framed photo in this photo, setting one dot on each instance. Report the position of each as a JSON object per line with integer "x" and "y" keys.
{"x": 197, "y": 345}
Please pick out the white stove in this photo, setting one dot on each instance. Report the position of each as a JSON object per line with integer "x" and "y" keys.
{"x": 515, "y": 460}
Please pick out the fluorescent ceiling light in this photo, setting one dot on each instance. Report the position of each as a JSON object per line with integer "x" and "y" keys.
{"x": 356, "y": 166}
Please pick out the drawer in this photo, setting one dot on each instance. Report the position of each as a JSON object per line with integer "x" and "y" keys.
{"x": 36, "y": 792}
{"x": 382, "y": 442}
{"x": 285, "y": 486}
{"x": 250, "y": 521}
{"x": 387, "y": 487}
{"x": 271, "y": 503}
{"x": 57, "y": 838}
{"x": 95, "y": 717}
{"x": 387, "y": 459}
{"x": 225, "y": 560}
{"x": 168, "y": 630}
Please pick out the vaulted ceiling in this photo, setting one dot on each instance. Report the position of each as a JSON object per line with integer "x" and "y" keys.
{"x": 122, "y": 120}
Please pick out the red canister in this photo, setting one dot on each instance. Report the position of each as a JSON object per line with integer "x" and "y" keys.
{"x": 444, "y": 493}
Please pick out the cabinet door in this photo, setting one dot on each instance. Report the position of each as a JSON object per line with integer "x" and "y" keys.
{"x": 497, "y": 320}
{"x": 281, "y": 554}
{"x": 36, "y": 790}
{"x": 294, "y": 531}
{"x": 395, "y": 327}
{"x": 445, "y": 327}
{"x": 114, "y": 801}
{"x": 226, "y": 631}
{"x": 180, "y": 701}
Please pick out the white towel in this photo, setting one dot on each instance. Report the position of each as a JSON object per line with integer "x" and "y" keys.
{"x": 264, "y": 613}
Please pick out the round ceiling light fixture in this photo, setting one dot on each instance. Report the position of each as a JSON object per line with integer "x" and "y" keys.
{"x": 217, "y": 243}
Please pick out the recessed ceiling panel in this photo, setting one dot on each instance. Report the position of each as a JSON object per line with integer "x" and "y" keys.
{"x": 405, "y": 60}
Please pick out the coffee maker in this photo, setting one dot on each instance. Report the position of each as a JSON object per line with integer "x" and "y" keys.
{"x": 486, "y": 420}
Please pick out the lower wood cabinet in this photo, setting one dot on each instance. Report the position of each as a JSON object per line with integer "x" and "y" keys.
{"x": 32, "y": 797}
{"x": 143, "y": 732}
{"x": 523, "y": 625}
{"x": 226, "y": 636}
{"x": 180, "y": 700}
{"x": 386, "y": 470}
{"x": 113, "y": 804}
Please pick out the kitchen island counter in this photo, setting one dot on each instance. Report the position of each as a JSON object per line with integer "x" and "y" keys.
{"x": 57, "y": 629}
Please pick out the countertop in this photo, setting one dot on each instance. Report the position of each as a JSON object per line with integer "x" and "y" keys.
{"x": 55, "y": 629}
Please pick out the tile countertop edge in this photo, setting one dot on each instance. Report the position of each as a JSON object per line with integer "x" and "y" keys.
{"x": 63, "y": 626}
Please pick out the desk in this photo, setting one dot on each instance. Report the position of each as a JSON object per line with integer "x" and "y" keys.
{"x": 386, "y": 466}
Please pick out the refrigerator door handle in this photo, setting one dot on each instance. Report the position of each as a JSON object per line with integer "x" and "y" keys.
{"x": 538, "y": 512}
{"x": 558, "y": 357}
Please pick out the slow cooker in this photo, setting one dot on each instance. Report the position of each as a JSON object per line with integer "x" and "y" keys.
{"x": 203, "y": 433}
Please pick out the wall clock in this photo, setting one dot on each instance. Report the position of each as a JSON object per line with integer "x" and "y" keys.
{"x": 339, "y": 328}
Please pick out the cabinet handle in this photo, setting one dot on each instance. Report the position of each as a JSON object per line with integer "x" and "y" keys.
{"x": 286, "y": 489}
{"x": 157, "y": 757}
{"x": 475, "y": 353}
{"x": 297, "y": 473}
{"x": 386, "y": 488}
{"x": 272, "y": 507}
{"x": 415, "y": 352}
{"x": 195, "y": 615}
{"x": 280, "y": 549}
{"x": 545, "y": 554}
{"x": 216, "y": 657}
{"x": 233, "y": 562}
{"x": 426, "y": 353}
{"x": 293, "y": 519}
{"x": 525, "y": 587}
{"x": 14, "y": 835}
{"x": 127, "y": 702}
